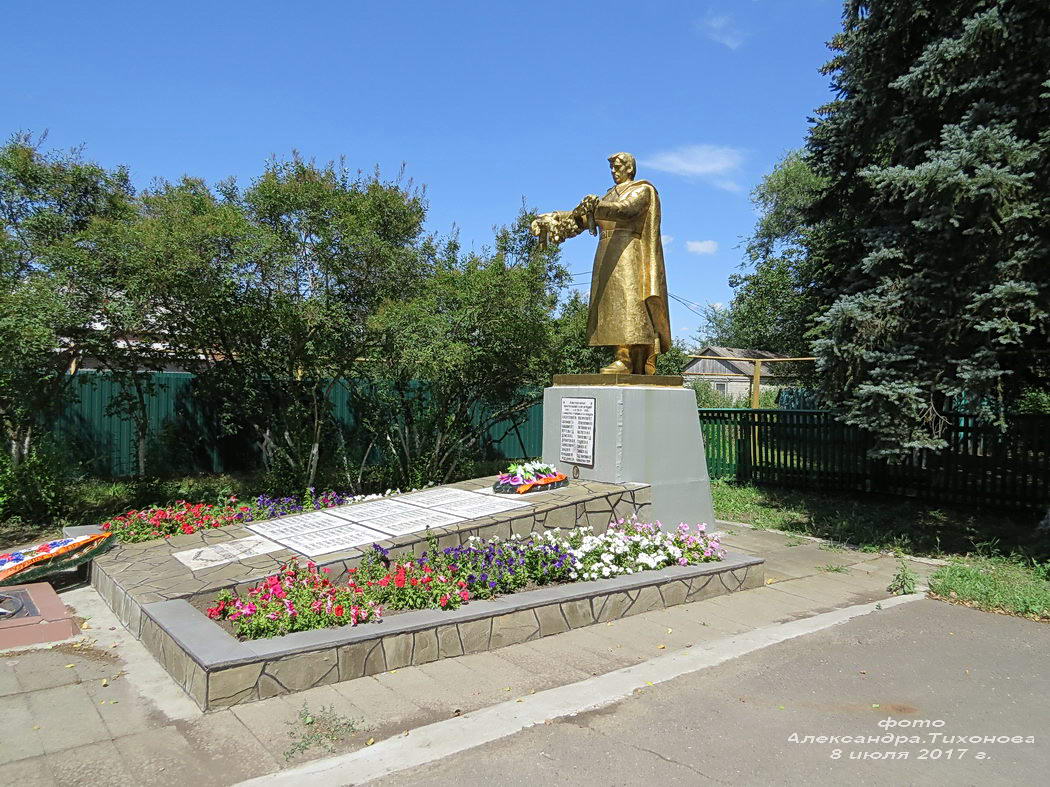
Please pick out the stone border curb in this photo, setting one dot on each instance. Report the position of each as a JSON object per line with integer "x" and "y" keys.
{"x": 217, "y": 670}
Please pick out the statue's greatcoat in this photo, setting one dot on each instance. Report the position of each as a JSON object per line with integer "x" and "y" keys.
{"x": 628, "y": 284}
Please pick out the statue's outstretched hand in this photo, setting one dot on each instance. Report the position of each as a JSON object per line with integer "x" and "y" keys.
{"x": 589, "y": 203}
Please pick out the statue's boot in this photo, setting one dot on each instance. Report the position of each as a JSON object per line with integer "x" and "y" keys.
{"x": 643, "y": 358}
{"x": 622, "y": 364}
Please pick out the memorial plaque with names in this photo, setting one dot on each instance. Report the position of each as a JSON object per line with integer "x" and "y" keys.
{"x": 577, "y": 430}
{"x": 434, "y": 497}
{"x": 480, "y": 505}
{"x": 345, "y": 536}
{"x": 310, "y": 522}
{"x": 361, "y": 512}
{"x": 414, "y": 521}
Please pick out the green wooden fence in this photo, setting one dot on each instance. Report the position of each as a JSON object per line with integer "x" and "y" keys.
{"x": 809, "y": 449}
{"x": 184, "y": 437}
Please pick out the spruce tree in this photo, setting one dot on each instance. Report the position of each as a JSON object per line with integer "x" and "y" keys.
{"x": 930, "y": 246}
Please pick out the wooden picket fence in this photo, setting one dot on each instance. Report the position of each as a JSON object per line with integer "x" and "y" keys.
{"x": 810, "y": 449}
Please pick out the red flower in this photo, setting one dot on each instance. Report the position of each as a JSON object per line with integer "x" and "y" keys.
{"x": 384, "y": 581}
{"x": 337, "y": 610}
{"x": 463, "y": 594}
{"x": 399, "y": 580}
{"x": 443, "y": 601}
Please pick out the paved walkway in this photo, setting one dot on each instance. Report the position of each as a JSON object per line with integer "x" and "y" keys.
{"x": 767, "y": 717}
{"x": 101, "y": 711}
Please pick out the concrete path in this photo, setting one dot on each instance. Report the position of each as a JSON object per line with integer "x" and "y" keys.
{"x": 100, "y": 710}
{"x": 974, "y": 685}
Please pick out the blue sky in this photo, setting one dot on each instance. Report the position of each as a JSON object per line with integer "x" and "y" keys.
{"x": 484, "y": 102}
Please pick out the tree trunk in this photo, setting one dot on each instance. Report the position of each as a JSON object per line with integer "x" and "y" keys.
{"x": 142, "y": 452}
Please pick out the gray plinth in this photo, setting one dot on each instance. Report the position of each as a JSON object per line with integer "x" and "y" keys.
{"x": 642, "y": 434}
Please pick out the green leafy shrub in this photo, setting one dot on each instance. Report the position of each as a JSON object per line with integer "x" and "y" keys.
{"x": 36, "y": 489}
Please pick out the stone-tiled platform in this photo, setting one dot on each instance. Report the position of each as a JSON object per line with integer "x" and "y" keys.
{"x": 217, "y": 670}
{"x": 132, "y": 575}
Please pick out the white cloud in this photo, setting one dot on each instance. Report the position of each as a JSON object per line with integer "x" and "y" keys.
{"x": 666, "y": 240}
{"x": 701, "y": 246}
{"x": 721, "y": 29}
{"x": 714, "y": 163}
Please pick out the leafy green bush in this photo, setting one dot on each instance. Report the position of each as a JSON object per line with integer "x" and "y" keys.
{"x": 36, "y": 489}
{"x": 708, "y": 397}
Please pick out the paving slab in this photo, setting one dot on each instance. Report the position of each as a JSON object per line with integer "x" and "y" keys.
{"x": 93, "y": 765}
{"x": 377, "y": 700}
{"x": 8, "y": 680}
{"x": 67, "y": 718}
{"x": 41, "y": 669}
{"x": 32, "y": 772}
{"x": 18, "y": 737}
{"x": 268, "y": 720}
{"x": 164, "y": 757}
{"x": 211, "y": 737}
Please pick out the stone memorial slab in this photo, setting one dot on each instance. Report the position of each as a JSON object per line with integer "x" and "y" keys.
{"x": 311, "y": 522}
{"x": 345, "y": 535}
{"x": 577, "y": 430}
{"x": 226, "y": 552}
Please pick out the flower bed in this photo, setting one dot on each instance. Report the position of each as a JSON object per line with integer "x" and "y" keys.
{"x": 298, "y": 599}
{"x": 187, "y": 518}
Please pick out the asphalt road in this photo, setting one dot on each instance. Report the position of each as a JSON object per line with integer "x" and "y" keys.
{"x": 932, "y": 670}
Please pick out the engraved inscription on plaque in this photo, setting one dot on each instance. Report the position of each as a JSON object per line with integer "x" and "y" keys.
{"x": 362, "y": 512}
{"x": 393, "y": 517}
{"x": 577, "y": 430}
{"x": 430, "y": 498}
{"x": 418, "y": 519}
{"x": 310, "y": 522}
{"x": 480, "y": 505}
{"x": 346, "y": 536}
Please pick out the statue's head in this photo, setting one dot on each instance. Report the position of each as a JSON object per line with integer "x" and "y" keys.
{"x": 622, "y": 166}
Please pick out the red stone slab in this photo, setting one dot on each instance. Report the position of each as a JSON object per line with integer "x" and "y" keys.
{"x": 53, "y": 622}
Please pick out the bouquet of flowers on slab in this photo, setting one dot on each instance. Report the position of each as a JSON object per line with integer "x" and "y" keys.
{"x": 529, "y": 477}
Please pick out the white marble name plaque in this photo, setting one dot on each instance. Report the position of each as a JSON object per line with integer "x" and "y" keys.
{"x": 225, "y": 552}
{"x": 577, "y": 430}
{"x": 361, "y": 512}
{"x": 418, "y": 519}
{"x": 345, "y": 536}
{"x": 310, "y": 522}
{"x": 394, "y": 517}
{"x": 429, "y": 498}
{"x": 480, "y": 505}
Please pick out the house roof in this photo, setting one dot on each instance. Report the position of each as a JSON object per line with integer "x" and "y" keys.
{"x": 743, "y": 368}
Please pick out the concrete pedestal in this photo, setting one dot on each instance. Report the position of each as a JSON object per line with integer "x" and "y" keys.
{"x": 647, "y": 434}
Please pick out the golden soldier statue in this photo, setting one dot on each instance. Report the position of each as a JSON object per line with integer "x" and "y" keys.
{"x": 628, "y": 306}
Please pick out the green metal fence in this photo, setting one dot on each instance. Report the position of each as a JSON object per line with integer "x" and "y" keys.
{"x": 810, "y": 449}
{"x": 184, "y": 437}
{"x": 804, "y": 449}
